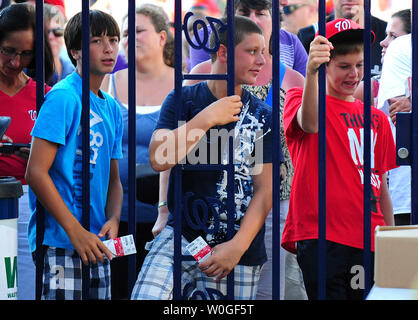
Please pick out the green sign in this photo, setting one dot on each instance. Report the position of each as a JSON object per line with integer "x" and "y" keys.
{"x": 11, "y": 271}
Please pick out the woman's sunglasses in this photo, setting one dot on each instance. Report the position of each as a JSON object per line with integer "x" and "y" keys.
{"x": 288, "y": 10}
{"x": 58, "y": 32}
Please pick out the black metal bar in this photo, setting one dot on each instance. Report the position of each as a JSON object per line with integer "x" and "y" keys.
{"x": 40, "y": 91}
{"x": 131, "y": 139}
{"x": 85, "y": 125}
{"x": 276, "y": 152}
{"x": 231, "y": 168}
{"x": 367, "y": 148}
{"x": 414, "y": 156}
{"x": 177, "y": 295}
{"x": 322, "y": 167}
{"x": 205, "y": 76}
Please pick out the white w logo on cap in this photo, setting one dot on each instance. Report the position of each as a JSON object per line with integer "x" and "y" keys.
{"x": 343, "y": 25}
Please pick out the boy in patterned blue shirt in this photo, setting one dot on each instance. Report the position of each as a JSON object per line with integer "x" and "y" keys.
{"x": 209, "y": 112}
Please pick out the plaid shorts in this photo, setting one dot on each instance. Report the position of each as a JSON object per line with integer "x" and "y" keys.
{"x": 62, "y": 276}
{"x": 155, "y": 280}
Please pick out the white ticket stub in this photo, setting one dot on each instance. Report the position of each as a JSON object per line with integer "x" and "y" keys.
{"x": 199, "y": 249}
{"x": 121, "y": 246}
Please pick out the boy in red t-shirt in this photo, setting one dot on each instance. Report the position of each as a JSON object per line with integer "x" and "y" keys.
{"x": 342, "y": 51}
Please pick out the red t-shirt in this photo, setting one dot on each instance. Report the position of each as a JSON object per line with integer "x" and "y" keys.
{"x": 21, "y": 108}
{"x": 344, "y": 172}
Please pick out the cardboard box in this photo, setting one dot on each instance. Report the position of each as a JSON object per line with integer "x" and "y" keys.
{"x": 396, "y": 256}
{"x": 378, "y": 293}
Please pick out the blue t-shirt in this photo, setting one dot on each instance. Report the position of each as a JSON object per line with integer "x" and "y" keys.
{"x": 204, "y": 192}
{"x": 59, "y": 122}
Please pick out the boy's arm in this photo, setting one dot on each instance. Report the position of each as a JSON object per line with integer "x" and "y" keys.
{"x": 226, "y": 255}
{"x": 399, "y": 104}
{"x": 163, "y": 210}
{"x": 168, "y": 147}
{"x": 386, "y": 203}
{"x": 42, "y": 155}
{"x": 114, "y": 203}
{"x": 307, "y": 115}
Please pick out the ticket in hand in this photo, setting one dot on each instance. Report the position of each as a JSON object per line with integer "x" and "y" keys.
{"x": 121, "y": 246}
{"x": 199, "y": 249}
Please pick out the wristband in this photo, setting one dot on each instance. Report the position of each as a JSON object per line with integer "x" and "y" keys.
{"x": 162, "y": 204}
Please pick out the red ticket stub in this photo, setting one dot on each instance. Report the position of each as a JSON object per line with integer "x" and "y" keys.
{"x": 118, "y": 247}
{"x": 121, "y": 246}
{"x": 199, "y": 249}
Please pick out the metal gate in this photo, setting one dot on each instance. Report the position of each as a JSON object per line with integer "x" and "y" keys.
{"x": 410, "y": 140}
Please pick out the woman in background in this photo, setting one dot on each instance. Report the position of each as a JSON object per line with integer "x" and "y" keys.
{"x": 18, "y": 101}
{"x": 398, "y": 25}
{"x": 54, "y": 25}
{"x": 154, "y": 80}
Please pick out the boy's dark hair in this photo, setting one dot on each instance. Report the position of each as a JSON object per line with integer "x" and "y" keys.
{"x": 405, "y": 16}
{"x": 20, "y": 17}
{"x": 243, "y": 26}
{"x": 246, "y": 5}
{"x": 343, "y": 47}
{"x": 101, "y": 23}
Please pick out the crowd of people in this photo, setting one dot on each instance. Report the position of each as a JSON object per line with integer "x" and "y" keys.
{"x": 51, "y": 171}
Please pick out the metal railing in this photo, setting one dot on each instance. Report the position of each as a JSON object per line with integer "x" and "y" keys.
{"x": 179, "y": 169}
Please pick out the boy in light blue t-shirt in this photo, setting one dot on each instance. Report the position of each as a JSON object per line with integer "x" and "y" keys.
{"x": 55, "y": 167}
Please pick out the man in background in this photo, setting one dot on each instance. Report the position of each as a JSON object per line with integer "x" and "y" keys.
{"x": 299, "y": 14}
{"x": 353, "y": 10}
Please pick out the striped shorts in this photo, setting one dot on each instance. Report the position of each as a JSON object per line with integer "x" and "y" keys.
{"x": 155, "y": 280}
{"x": 62, "y": 276}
